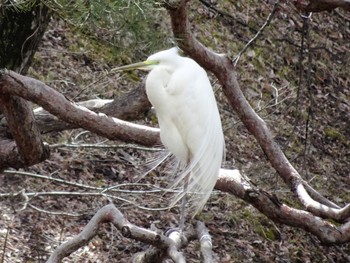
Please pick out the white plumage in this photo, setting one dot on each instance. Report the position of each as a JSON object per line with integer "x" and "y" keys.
{"x": 189, "y": 121}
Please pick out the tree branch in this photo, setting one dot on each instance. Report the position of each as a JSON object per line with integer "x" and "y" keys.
{"x": 130, "y": 106}
{"x": 231, "y": 181}
{"x": 321, "y": 5}
{"x": 110, "y": 213}
{"x": 9, "y": 156}
{"x": 20, "y": 119}
{"x": 55, "y": 103}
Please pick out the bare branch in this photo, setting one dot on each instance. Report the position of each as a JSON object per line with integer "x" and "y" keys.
{"x": 252, "y": 40}
{"x": 111, "y": 214}
{"x": 112, "y": 192}
{"x": 321, "y": 5}
{"x": 20, "y": 119}
{"x": 55, "y": 103}
{"x": 129, "y": 106}
{"x": 231, "y": 181}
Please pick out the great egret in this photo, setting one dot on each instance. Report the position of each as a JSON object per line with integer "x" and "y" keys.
{"x": 189, "y": 121}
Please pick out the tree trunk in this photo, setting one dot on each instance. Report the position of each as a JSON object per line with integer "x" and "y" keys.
{"x": 21, "y": 30}
{"x": 20, "y": 34}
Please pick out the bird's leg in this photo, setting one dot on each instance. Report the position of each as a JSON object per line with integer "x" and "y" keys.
{"x": 183, "y": 203}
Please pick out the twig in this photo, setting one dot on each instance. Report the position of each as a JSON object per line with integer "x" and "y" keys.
{"x": 89, "y": 194}
{"x": 155, "y": 189}
{"x": 52, "y": 213}
{"x": 103, "y": 146}
{"x": 5, "y": 244}
{"x": 26, "y": 200}
{"x": 251, "y": 41}
{"x": 52, "y": 179}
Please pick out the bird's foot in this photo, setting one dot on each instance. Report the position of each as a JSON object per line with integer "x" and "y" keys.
{"x": 176, "y": 234}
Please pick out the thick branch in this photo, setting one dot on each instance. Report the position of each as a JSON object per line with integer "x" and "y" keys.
{"x": 19, "y": 115}
{"x": 223, "y": 69}
{"x": 130, "y": 106}
{"x": 231, "y": 181}
{"x": 321, "y": 5}
{"x": 9, "y": 156}
{"x": 55, "y": 103}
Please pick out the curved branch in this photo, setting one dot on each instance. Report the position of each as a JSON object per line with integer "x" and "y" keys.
{"x": 29, "y": 148}
{"x": 9, "y": 156}
{"x": 110, "y": 213}
{"x": 223, "y": 69}
{"x": 231, "y": 181}
{"x": 55, "y": 103}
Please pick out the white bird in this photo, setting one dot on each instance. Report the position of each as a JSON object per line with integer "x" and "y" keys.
{"x": 189, "y": 121}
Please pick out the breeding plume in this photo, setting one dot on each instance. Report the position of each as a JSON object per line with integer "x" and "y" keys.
{"x": 189, "y": 121}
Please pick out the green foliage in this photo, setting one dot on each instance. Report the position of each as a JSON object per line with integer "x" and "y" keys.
{"x": 121, "y": 24}
{"x": 19, "y": 5}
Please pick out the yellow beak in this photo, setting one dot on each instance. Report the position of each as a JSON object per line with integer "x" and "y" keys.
{"x": 145, "y": 65}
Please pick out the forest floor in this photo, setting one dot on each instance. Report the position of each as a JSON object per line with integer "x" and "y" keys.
{"x": 317, "y": 144}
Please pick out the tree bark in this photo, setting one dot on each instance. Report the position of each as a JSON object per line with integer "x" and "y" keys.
{"x": 20, "y": 34}
{"x": 20, "y": 118}
{"x": 131, "y": 106}
{"x": 321, "y": 5}
{"x": 55, "y": 103}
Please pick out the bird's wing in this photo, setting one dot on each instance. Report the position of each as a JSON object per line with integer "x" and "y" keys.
{"x": 197, "y": 120}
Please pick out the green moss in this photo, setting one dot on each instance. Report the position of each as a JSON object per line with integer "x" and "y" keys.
{"x": 205, "y": 217}
{"x": 94, "y": 49}
{"x": 269, "y": 233}
{"x": 284, "y": 71}
{"x": 334, "y": 134}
